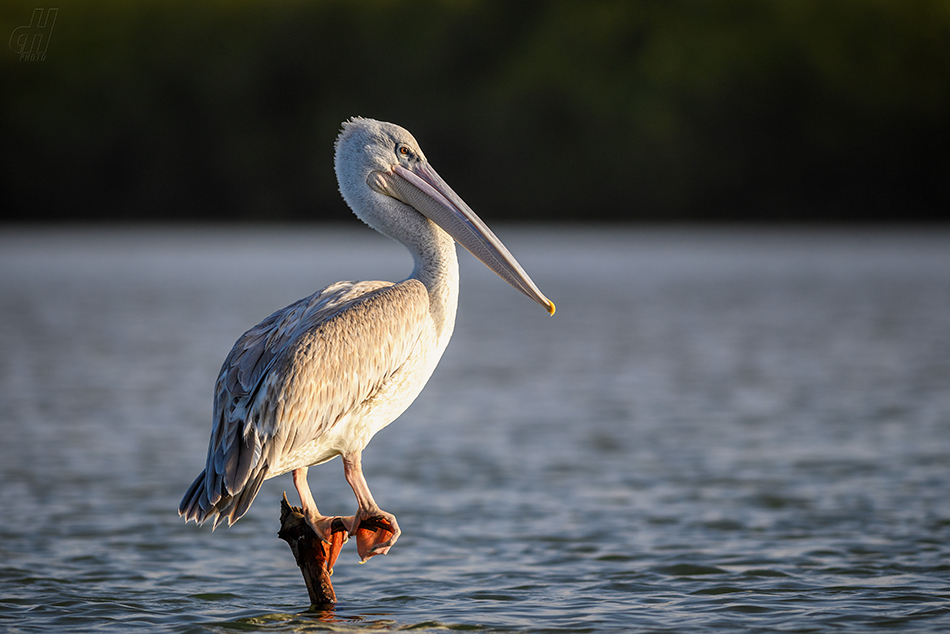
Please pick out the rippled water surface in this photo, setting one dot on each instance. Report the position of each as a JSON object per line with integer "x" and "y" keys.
{"x": 739, "y": 431}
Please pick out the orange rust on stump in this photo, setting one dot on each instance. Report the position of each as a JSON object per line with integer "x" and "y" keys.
{"x": 315, "y": 557}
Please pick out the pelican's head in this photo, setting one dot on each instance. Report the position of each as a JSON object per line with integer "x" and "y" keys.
{"x": 387, "y": 182}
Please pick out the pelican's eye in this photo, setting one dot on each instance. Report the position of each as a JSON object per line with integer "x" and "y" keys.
{"x": 404, "y": 151}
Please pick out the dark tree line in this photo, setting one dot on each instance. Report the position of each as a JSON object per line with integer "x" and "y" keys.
{"x": 647, "y": 110}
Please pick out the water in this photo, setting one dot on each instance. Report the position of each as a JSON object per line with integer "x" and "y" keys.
{"x": 718, "y": 431}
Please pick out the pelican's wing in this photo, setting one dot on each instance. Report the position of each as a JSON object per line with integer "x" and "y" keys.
{"x": 293, "y": 376}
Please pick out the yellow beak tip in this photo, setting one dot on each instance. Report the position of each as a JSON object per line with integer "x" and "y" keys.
{"x": 551, "y": 308}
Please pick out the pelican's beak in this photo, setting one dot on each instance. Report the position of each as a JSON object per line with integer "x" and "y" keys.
{"x": 423, "y": 189}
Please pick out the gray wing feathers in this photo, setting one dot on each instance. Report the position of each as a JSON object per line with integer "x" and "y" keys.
{"x": 294, "y": 375}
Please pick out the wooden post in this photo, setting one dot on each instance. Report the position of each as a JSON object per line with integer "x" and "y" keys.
{"x": 314, "y": 557}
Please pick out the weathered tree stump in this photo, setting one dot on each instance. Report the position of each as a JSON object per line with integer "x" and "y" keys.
{"x": 314, "y": 557}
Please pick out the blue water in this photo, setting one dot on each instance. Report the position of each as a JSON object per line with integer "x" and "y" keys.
{"x": 718, "y": 431}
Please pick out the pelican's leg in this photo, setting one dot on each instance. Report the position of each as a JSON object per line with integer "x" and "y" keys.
{"x": 369, "y": 539}
{"x": 319, "y": 523}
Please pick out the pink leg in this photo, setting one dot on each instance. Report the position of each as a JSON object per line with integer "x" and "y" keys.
{"x": 319, "y": 523}
{"x": 373, "y": 538}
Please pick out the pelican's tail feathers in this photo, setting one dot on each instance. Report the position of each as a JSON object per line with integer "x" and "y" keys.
{"x": 190, "y": 506}
{"x": 242, "y": 501}
{"x": 195, "y": 505}
{"x": 202, "y": 502}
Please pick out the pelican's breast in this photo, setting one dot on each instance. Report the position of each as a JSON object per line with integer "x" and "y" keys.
{"x": 347, "y": 378}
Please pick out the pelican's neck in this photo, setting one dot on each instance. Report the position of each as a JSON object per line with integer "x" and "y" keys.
{"x": 437, "y": 267}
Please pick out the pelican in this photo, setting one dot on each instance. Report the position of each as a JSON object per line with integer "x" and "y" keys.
{"x": 319, "y": 378}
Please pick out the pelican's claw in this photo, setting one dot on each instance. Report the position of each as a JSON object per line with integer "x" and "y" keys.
{"x": 327, "y": 528}
{"x": 338, "y": 536}
{"x": 375, "y": 533}
{"x": 333, "y": 532}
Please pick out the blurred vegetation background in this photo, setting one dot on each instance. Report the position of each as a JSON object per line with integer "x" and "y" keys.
{"x": 545, "y": 110}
